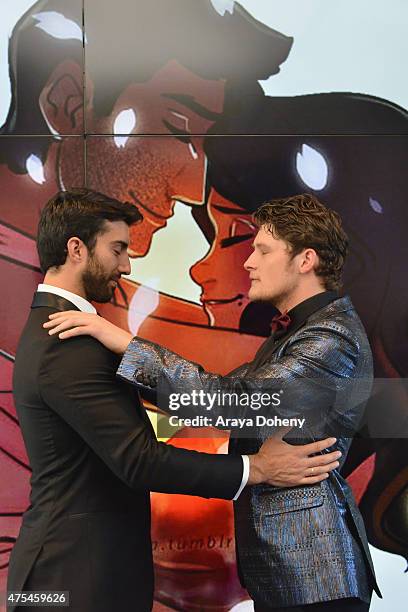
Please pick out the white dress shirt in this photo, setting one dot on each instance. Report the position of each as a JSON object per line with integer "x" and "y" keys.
{"x": 84, "y": 306}
{"x": 77, "y": 300}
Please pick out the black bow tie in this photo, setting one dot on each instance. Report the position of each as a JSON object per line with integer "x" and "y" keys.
{"x": 280, "y": 322}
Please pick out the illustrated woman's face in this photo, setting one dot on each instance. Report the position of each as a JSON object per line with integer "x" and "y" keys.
{"x": 221, "y": 273}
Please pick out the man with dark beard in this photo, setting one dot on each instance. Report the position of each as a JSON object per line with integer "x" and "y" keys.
{"x": 92, "y": 449}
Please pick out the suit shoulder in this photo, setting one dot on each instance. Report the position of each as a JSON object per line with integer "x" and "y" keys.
{"x": 77, "y": 356}
{"x": 339, "y": 324}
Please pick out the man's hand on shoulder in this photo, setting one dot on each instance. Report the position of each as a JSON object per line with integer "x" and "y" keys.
{"x": 285, "y": 465}
{"x": 72, "y": 323}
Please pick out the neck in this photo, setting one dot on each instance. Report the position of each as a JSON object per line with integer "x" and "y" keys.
{"x": 298, "y": 296}
{"x": 62, "y": 280}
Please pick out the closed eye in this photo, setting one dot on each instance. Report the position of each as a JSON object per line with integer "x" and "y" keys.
{"x": 227, "y": 242}
{"x": 177, "y": 133}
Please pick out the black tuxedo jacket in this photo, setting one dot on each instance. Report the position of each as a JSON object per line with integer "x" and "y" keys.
{"x": 94, "y": 458}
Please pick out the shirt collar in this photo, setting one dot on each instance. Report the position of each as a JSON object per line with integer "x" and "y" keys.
{"x": 77, "y": 300}
{"x": 299, "y": 313}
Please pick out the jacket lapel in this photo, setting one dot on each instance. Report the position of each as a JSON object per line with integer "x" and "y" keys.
{"x": 271, "y": 345}
{"x": 278, "y": 343}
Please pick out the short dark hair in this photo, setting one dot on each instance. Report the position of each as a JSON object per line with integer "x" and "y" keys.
{"x": 304, "y": 222}
{"x": 81, "y": 213}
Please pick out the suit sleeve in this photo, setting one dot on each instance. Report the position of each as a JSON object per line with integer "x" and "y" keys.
{"x": 78, "y": 382}
{"x": 314, "y": 379}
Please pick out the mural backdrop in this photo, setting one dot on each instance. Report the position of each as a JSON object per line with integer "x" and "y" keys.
{"x": 197, "y": 112}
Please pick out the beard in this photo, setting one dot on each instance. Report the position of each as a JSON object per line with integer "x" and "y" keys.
{"x": 96, "y": 282}
{"x": 278, "y": 294}
{"x": 276, "y": 298}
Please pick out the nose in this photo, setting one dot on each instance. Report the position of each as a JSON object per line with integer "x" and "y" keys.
{"x": 249, "y": 263}
{"x": 125, "y": 267}
{"x": 199, "y": 272}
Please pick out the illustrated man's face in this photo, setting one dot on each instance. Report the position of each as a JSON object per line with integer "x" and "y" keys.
{"x": 156, "y": 170}
{"x": 107, "y": 261}
{"x": 273, "y": 272}
{"x": 220, "y": 273}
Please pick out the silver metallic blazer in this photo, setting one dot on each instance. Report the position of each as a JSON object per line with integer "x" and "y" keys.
{"x": 306, "y": 544}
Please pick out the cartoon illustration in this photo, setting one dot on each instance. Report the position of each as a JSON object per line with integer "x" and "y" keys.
{"x": 174, "y": 118}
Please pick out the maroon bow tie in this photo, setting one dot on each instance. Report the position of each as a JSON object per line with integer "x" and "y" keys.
{"x": 281, "y": 321}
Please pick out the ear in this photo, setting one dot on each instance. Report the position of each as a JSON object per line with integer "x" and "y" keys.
{"x": 309, "y": 260}
{"x": 76, "y": 250}
{"x": 62, "y": 99}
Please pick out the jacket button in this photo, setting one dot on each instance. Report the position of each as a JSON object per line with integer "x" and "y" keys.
{"x": 140, "y": 377}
